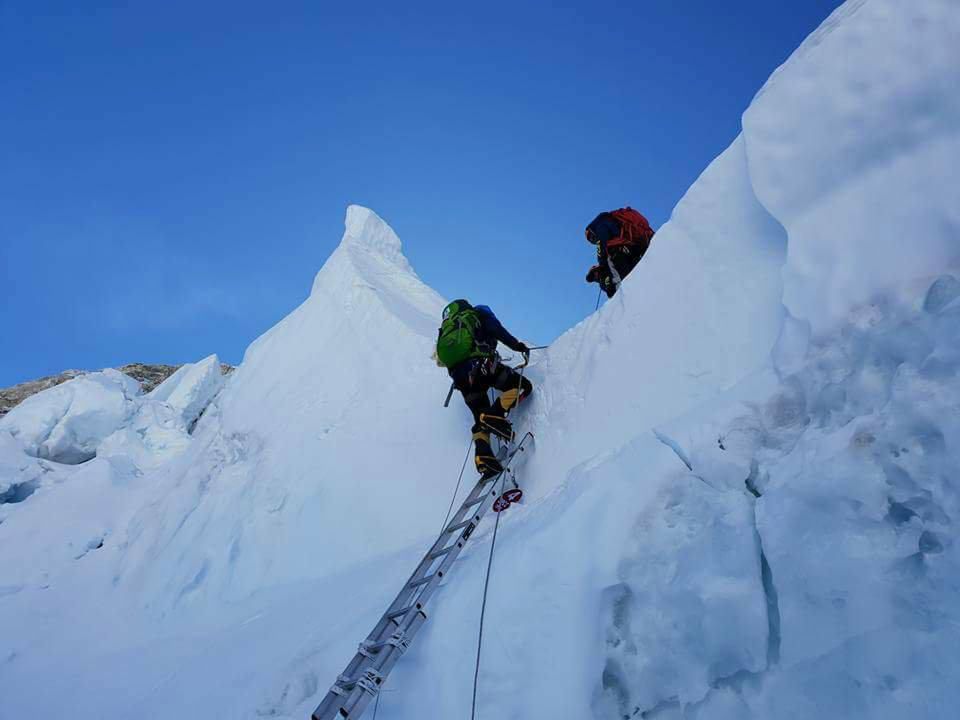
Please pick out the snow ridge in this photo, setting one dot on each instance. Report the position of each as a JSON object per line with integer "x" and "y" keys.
{"x": 368, "y": 269}
{"x": 365, "y": 229}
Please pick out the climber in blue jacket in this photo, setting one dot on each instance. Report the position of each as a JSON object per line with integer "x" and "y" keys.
{"x": 467, "y": 347}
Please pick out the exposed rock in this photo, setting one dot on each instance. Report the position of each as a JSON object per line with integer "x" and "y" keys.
{"x": 149, "y": 376}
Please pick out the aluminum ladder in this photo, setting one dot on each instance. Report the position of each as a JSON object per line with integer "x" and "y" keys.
{"x": 360, "y": 682}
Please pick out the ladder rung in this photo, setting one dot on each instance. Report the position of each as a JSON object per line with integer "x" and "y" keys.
{"x": 476, "y": 501}
{"x": 400, "y": 613}
{"x": 396, "y": 640}
{"x": 446, "y": 550}
{"x": 460, "y": 526}
{"x": 343, "y": 685}
{"x": 424, "y": 580}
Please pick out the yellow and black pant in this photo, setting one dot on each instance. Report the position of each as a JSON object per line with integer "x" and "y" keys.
{"x": 474, "y": 385}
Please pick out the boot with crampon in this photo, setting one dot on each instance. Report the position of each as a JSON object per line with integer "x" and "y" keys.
{"x": 498, "y": 425}
{"x": 487, "y": 463}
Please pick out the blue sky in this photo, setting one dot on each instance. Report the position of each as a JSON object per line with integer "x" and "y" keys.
{"x": 173, "y": 174}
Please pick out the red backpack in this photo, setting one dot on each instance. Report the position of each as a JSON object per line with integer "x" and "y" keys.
{"x": 634, "y": 230}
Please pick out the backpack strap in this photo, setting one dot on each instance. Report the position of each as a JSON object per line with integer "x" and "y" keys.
{"x": 613, "y": 272}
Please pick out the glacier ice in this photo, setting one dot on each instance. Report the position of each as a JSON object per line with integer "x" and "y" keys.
{"x": 759, "y": 524}
{"x": 66, "y": 423}
{"x": 190, "y": 389}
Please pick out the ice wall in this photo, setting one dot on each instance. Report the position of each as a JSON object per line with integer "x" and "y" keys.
{"x": 852, "y": 146}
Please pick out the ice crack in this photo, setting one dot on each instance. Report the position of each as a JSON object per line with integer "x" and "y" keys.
{"x": 675, "y": 446}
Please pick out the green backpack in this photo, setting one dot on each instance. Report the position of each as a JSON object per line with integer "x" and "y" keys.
{"x": 457, "y": 341}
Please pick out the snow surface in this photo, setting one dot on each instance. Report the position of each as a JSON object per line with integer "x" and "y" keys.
{"x": 741, "y": 502}
{"x": 856, "y": 136}
{"x": 66, "y": 423}
{"x": 190, "y": 389}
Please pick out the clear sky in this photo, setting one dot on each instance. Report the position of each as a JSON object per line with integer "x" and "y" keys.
{"x": 173, "y": 174}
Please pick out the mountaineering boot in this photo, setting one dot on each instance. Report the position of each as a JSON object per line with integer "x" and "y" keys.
{"x": 488, "y": 466}
{"x": 487, "y": 463}
{"x": 498, "y": 425}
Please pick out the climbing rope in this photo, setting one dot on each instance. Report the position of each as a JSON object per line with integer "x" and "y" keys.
{"x": 483, "y": 609}
{"x": 457, "y": 489}
{"x": 486, "y": 580}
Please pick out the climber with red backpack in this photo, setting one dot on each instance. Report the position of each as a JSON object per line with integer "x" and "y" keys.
{"x": 467, "y": 348}
{"x": 622, "y": 237}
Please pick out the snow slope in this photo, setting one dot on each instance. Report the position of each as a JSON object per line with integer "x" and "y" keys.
{"x": 742, "y": 497}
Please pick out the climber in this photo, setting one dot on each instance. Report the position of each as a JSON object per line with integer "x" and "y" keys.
{"x": 622, "y": 237}
{"x": 467, "y": 347}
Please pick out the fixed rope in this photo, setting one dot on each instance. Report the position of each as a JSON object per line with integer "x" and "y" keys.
{"x": 486, "y": 580}
{"x": 483, "y": 610}
{"x": 457, "y": 489}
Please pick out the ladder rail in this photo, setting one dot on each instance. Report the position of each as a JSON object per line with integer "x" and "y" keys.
{"x": 364, "y": 675}
{"x": 442, "y": 545}
{"x": 444, "y": 540}
{"x": 383, "y": 661}
{"x": 415, "y": 593}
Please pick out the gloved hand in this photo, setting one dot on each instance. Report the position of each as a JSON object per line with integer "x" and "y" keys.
{"x": 609, "y": 286}
{"x": 525, "y": 351}
{"x": 594, "y": 274}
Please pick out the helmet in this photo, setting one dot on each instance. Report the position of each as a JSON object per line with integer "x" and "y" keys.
{"x": 455, "y": 307}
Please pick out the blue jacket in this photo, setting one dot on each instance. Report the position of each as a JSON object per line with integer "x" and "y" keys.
{"x": 492, "y": 331}
{"x": 604, "y": 228}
